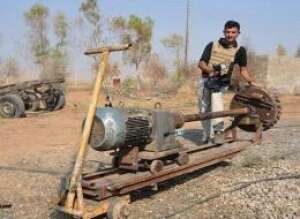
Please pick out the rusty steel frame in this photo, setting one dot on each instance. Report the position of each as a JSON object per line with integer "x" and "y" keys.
{"x": 174, "y": 172}
{"x": 114, "y": 182}
{"x": 27, "y": 85}
{"x": 118, "y": 184}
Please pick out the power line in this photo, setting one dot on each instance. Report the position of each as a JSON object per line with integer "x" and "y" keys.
{"x": 187, "y": 33}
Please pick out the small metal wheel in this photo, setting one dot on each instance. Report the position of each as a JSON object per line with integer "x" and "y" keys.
{"x": 157, "y": 105}
{"x": 183, "y": 159}
{"x": 156, "y": 166}
{"x": 118, "y": 209}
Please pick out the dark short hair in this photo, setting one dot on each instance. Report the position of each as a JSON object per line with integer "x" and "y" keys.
{"x": 231, "y": 24}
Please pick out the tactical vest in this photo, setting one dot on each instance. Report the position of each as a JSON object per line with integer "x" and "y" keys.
{"x": 221, "y": 55}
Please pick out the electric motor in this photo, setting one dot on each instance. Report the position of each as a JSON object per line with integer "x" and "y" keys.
{"x": 115, "y": 127}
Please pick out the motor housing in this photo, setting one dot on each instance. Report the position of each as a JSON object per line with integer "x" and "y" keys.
{"x": 115, "y": 127}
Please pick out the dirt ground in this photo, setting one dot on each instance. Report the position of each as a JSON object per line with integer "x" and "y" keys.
{"x": 37, "y": 151}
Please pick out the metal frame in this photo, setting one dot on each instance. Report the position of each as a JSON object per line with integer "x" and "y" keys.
{"x": 74, "y": 202}
{"x": 105, "y": 185}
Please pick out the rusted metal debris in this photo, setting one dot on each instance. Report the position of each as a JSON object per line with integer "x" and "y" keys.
{"x": 19, "y": 98}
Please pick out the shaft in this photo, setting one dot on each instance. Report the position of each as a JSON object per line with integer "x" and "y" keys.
{"x": 180, "y": 118}
{"x": 213, "y": 115}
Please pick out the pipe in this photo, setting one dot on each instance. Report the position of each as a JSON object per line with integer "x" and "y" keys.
{"x": 213, "y": 115}
{"x": 180, "y": 118}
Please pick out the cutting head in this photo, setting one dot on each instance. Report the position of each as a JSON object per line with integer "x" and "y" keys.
{"x": 265, "y": 107}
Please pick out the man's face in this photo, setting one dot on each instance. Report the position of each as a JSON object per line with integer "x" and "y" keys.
{"x": 231, "y": 34}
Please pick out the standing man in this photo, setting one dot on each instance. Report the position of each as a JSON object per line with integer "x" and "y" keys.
{"x": 216, "y": 63}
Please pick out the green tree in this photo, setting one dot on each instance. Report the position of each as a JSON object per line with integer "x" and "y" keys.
{"x": 281, "y": 50}
{"x": 91, "y": 13}
{"x": 59, "y": 54}
{"x": 52, "y": 60}
{"x": 138, "y": 32}
{"x": 175, "y": 43}
{"x": 297, "y": 54}
{"x": 61, "y": 29}
{"x": 36, "y": 19}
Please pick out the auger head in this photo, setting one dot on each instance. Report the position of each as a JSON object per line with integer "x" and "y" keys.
{"x": 264, "y": 105}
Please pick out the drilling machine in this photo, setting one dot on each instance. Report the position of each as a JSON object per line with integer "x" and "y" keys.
{"x": 145, "y": 150}
{"x": 145, "y": 139}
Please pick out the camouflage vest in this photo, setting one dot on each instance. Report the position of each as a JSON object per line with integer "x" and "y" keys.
{"x": 221, "y": 55}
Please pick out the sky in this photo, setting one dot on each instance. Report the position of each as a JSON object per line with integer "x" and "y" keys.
{"x": 264, "y": 23}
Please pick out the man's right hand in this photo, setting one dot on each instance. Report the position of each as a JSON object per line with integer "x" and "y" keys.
{"x": 208, "y": 68}
{"x": 217, "y": 68}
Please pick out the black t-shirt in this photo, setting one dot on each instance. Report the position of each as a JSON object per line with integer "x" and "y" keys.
{"x": 240, "y": 56}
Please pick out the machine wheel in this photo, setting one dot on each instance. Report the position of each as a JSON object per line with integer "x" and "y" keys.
{"x": 32, "y": 102}
{"x": 55, "y": 100}
{"x": 11, "y": 106}
{"x": 267, "y": 107}
{"x": 118, "y": 209}
{"x": 183, "y": 159}
{"x": 156, "y": 166}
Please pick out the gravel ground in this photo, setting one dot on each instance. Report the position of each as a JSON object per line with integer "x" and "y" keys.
{"x": 211, "y": 193}
{"x": 30, "y": 175}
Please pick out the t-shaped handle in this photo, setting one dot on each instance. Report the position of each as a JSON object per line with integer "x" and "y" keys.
{"x": 108, "y": 49}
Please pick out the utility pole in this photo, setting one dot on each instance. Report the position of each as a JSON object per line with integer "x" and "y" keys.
{"x": 187, "y": 33}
